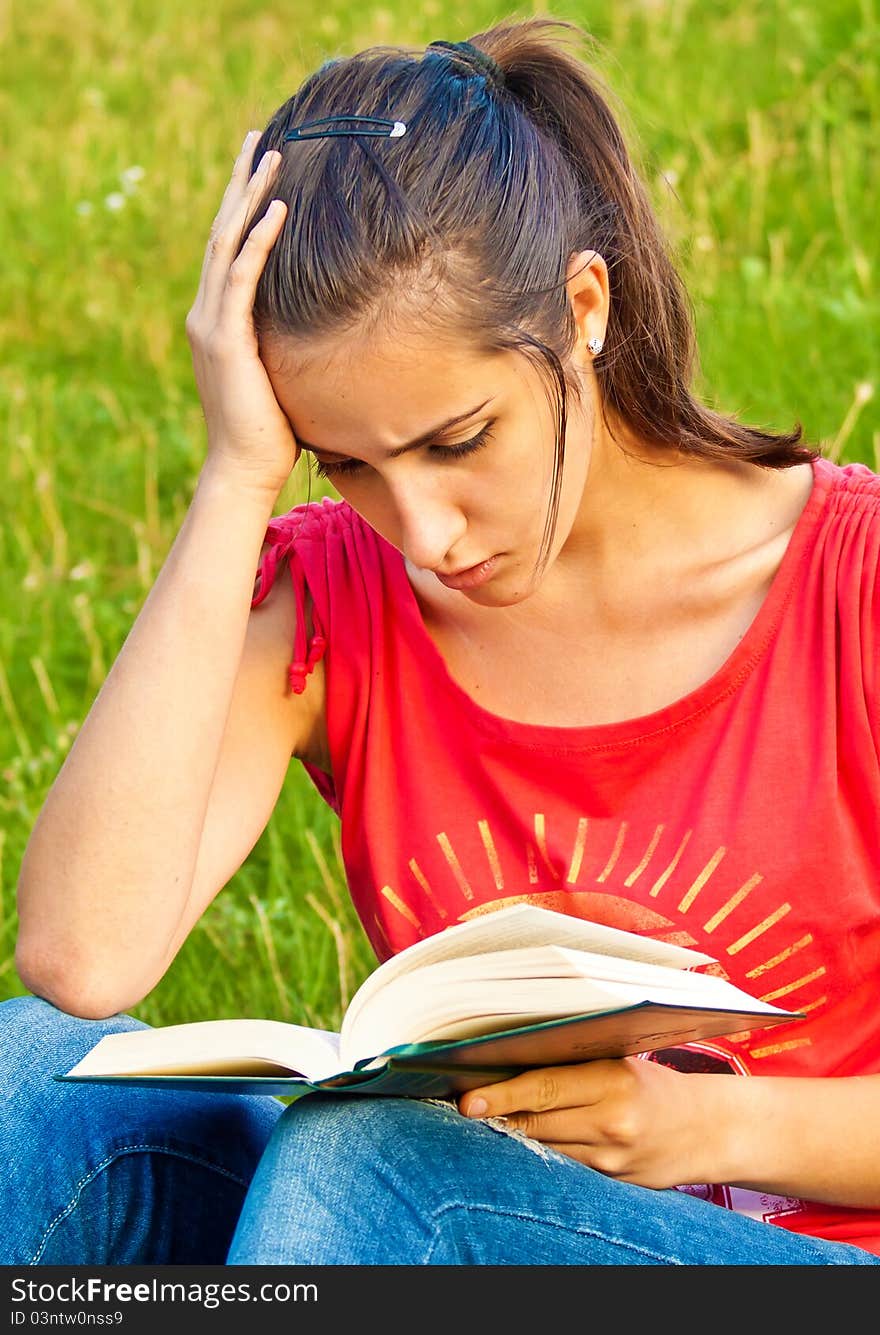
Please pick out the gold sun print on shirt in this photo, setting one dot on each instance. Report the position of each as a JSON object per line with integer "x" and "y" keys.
{"x": 701, "y": 897}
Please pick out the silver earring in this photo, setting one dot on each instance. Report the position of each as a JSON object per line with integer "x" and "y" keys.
{"x": 595, "y": 345}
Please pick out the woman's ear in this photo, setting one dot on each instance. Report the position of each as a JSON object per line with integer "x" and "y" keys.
{"x": 589, "y": 294}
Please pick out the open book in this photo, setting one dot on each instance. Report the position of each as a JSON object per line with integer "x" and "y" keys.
{"x": 516, "y": 988}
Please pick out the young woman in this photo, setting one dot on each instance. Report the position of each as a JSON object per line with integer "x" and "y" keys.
{"x": 569, "y": 636}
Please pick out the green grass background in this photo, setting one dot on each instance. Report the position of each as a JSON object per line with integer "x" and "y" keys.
{"x": 757, "y": 124}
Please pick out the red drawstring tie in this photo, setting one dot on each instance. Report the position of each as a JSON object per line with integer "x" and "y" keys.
{"x": 304, "y": 656}
{"x": 304, "y": 659}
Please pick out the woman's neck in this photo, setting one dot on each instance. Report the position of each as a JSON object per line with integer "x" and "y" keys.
{"x": 655, "y": 514}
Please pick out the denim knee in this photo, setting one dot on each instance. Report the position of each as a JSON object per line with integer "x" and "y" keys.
{"x": 371, "y": 1181}
{"x": 33, "y": 1031}
{"x": 358, "y": 1180}
{"x": 113, "y": 1174}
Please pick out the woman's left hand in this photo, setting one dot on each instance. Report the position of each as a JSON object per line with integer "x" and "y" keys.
{"x": 632, "y": 1119}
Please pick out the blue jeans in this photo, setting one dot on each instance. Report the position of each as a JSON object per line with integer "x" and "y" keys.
{"x": 99, "y": 1175}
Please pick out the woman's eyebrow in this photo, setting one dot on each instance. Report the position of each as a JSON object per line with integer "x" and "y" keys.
{"x": 413, "y": 444}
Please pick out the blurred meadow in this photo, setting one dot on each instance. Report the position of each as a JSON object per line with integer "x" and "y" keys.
{"x": 756, "y": 123}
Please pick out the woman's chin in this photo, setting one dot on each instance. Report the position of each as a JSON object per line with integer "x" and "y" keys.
{"x": 501, "y": 591}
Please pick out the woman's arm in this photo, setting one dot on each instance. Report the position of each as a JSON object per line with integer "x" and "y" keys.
{"x": 810, "y": 1137}
{"x": 180, "y": 760}
{"x": 111, "y": 863}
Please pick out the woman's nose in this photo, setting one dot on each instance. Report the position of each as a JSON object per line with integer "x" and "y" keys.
{"x": 429, "y": 524}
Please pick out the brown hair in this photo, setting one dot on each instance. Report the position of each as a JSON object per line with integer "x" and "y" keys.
{"x": 475, "y": 212}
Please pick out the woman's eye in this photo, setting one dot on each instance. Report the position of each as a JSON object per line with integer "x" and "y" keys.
{"x": 332, "y": 470}
{"x": 466, "y": 447}
{"x": 347, "y": 466}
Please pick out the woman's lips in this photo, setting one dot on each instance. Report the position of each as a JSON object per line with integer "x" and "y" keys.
{"x": 470, "y": 578}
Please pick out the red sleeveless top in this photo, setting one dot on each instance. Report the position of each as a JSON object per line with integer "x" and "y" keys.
{"x": 742, "y": 820}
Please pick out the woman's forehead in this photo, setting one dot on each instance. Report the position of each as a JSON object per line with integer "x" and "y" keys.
{"x": 407, "y": 352}
{"x": 393, "y": 399}
{"x": 431, "y": 379}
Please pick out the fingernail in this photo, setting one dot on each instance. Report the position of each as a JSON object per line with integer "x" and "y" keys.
{"x": 477, "y": 1108}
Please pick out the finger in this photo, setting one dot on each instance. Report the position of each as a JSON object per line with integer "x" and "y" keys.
{"x": 239, "y": 201}
{"x": 564, "y": 1126}
{"x": 245, "y": 185}
{"x": 236, "y": 186}
{"x": 224, "y": 243}
{"x": 537, "y": 1091}
{"x": 241, "y": 169}
{"x": 236, "y": 311}
{"x": 242, "y": 165}
{"x": 584, "y": 1154}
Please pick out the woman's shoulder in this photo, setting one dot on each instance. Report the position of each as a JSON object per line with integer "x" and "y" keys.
{"x": 310, "y": 520}
{"x": 333, "y": 553}
{"x": 326, "y": 529}
{"x": 837, "y": 540}
{"x": 845, "y": 527}
{"x": 849, "y": 486}
{"x": 313, "y": 536}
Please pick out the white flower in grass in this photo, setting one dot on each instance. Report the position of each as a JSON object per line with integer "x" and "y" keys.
{"x": 115, "y": 201}
{"x": 84, "y": 208}
{"x": 130, "y": 177}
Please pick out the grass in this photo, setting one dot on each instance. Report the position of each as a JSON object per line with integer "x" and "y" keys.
{"x": 757, "y": 123}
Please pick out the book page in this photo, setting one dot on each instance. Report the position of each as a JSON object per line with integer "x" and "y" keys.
{"x": 214, "y": 1047}
{"x": 413, "y": 1013}
{"x": 460, "y": 998}
{"x": 515, "y": 927}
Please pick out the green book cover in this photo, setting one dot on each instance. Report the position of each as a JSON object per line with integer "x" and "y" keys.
{"x": 441, "y": 1069}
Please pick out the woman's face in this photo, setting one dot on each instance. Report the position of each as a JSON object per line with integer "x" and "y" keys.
{"x": 480, "y": 488}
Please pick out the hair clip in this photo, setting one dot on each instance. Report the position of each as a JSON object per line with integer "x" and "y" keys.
{"x": 382, "y": 128}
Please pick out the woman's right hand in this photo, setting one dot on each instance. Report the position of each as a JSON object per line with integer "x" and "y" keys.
{"x": 249, "y": 435}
